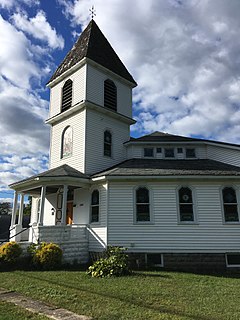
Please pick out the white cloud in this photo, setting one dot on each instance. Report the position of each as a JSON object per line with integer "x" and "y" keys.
{"x": 39, "y": 28}
{"x": 8, "y": 4}
{"x": 184, "y": 56}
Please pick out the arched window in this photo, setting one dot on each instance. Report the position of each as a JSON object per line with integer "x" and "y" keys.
{"x": 95, "y": 206}
{"x": 230, "y": 204}
{"x": 186, "y": 213}
{"x": 67, "y": 142}
{"x": 110, "y": 95}
{"x": 142, "y": 205}
{"x": 67, "y": 95}
{"x": 107, "y": 143}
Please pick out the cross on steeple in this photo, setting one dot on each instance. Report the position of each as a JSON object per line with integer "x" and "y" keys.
{"x": 92, "y": 12}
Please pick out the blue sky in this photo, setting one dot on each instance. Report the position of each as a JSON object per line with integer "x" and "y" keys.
{"x": 184, "y": 56}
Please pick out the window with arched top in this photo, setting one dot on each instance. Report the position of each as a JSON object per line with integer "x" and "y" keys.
{"x": 67, "y": 142}
{"x": 67, "y": 95}
{"x": 95, "y": 206}
{"x": 110, "y": 95}
{"x": 186, "y": 208}
{"x": 107, "y": 143}
{"x": 142, "y": 205}
{"x": 230, "y": 204}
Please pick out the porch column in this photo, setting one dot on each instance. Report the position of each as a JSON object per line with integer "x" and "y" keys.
{"x": 14, "y": 209}
{"x": 20, "y": 215}
{"x": 64, "y": 205}
{"x": 42, "y": 201}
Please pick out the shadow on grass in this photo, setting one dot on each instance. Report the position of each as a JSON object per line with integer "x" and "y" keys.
{"x": 142, "y": 304}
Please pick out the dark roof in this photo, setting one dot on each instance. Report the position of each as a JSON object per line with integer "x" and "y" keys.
{"x": 62, "y": 171}
{"x": 155, "y": 167}
{"x": 92, "y": 44}
{"x": 158, "y": 136}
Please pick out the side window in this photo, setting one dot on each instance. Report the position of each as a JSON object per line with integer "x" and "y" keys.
{"x": 185, "y": 198}
{"x": 107, "y": 144}
{"x": 230, "y": 205}
{"x": 110, "y": 95}
{"x": 142, "y": 205}
{"x": 95, "y": 206}
{"x": 67, "y": 142}
{"x": 190, "y": 153}
{"x": 67, "y": 95}
{"x": 169, "y": 152}
{"x": 148, "y": 152}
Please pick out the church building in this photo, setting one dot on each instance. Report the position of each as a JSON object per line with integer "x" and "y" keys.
{"x": 172, "y": 201}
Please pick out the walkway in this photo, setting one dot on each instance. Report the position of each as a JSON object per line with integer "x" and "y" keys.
{"x": 39, "y": 307}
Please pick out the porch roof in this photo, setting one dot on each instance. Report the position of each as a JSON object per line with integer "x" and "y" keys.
{"x": 53, "y": 176}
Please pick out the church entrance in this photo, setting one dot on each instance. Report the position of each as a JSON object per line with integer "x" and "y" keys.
{"x": 69, "y": 213}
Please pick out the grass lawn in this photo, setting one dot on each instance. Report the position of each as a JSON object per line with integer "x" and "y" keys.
{"x": 146, "y": 295}
{"x": 9, "y": 311}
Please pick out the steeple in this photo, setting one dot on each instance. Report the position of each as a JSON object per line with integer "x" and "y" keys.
{"x": 93, "y": 45}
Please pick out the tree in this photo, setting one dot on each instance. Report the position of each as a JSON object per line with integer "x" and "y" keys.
{"x": 5, "y": 207}
{"x": 27, "y": 208}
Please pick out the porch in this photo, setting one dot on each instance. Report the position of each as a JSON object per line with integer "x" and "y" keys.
{"x": 59, "y": 214}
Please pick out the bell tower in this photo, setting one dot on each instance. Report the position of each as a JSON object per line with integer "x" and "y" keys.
{"x": 90, "y": 105}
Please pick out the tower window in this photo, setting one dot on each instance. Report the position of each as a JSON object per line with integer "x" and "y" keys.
{"x": 107, "y": 143}
{"x": 67, "y": 95}
{"x": 95, "y": 206}
{"x": 110, "y": 95}
{"x": 67, "y": 142}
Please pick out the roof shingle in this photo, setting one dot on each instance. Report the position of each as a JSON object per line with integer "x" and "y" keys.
{"x": 92, "y": 44}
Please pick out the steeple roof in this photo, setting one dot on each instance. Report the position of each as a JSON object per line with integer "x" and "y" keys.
{"x": 92, "y": 44}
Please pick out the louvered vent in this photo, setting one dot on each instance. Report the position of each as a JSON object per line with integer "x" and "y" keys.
{"x": 67, "y": 95}
{"x": 110, "y": 95}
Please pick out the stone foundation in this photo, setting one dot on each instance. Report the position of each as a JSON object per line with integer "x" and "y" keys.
{"x": 195, "y": 262}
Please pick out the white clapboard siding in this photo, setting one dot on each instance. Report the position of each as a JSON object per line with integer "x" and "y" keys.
{"x": 98, "y": 237}
{"x": 96, "y": 124}
{"x": 222, "y": 154}
{"x": 165, "y": 234}
{"x": 95, "y": 91}
{"x": 137, "y": 151}
{"x": 76, "y": 160}
{"x": 78, "y": 91}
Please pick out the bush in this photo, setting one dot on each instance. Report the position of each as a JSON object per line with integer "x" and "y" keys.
{"x": 47, "y": 256}
{"x": 115, "y": 263}
{"x": 10, "y": 252}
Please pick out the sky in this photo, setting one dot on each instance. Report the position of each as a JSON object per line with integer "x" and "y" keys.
{"x": 184, "y": 55}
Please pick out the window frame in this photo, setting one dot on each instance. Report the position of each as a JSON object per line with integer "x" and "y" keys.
{"x": 174, "y": 153}
{"x": 96, "y": 205}
{"x": 231, "y": 265}
{"x": 161, "y": 265}
{"x": 105, "y": 142}
{"x": 153, "y": 152}
{"x": 115, "y": 98}
{"x": 237, "y": 204}
{"x": 195, "y": 154}
{"x": 151, "y": 221}
{"x": 65, "y": 109}
{"x": 62, "y": 141}
{"x": 194, "y": 208}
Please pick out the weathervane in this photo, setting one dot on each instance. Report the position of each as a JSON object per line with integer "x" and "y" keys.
{"x": 92, "y": 12}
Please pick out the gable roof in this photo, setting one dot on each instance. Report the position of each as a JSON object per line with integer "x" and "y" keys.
{"x": 63, "y": 171}
{"x": 159, "y": 136}
{"x": 156, "y": 167}
{"x": 92, "y": 44}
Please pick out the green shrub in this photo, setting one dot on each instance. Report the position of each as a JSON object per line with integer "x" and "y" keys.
{"x": 47, "y": 256}
{"x": 115, "y": 263}
{"x": 10, "y": 252}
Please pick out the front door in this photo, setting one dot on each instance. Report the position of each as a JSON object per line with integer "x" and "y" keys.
{"x": 69, "y": 217}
